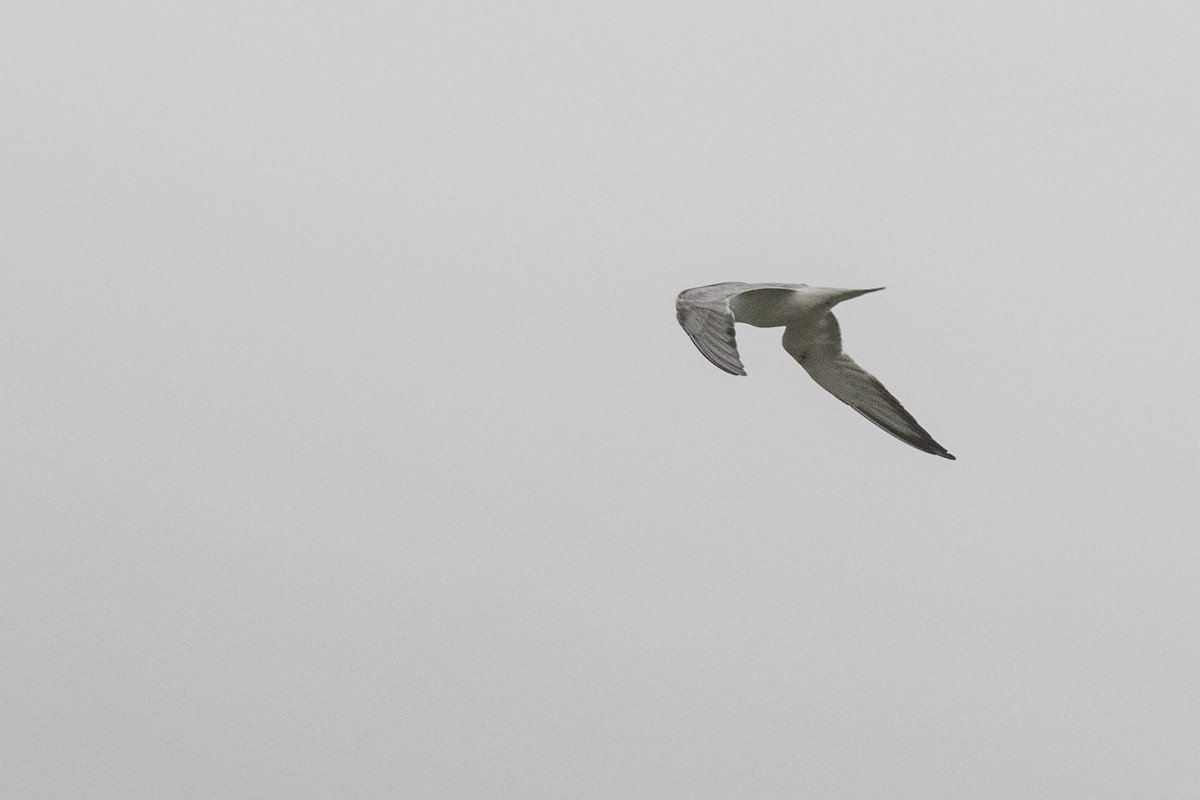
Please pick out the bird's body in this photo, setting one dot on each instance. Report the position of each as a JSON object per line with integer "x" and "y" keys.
{"x": 811, "y": 336}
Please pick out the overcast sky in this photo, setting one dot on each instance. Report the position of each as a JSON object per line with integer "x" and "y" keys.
{"x": 350, "y": 446}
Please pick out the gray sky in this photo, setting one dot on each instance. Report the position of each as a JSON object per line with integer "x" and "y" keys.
{"x": 350, "y": 447}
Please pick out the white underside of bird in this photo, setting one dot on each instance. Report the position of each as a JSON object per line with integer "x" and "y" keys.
{"x": 810, "y": 335}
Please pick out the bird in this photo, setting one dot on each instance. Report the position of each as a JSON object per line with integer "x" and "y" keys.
{"x": 811, "y": 335}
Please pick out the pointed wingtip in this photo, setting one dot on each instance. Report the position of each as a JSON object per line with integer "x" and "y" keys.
{"x": 947, "y": 455}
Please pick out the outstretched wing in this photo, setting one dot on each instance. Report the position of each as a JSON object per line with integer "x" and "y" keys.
{"x": 838, "y": 374}
{"x": 705, "y": 316}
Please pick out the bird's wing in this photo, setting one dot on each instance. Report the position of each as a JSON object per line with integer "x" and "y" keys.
{"x": 838, "y": 374}
{"x": 705, "y": 316}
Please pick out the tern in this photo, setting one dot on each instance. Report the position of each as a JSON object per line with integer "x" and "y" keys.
{"x": 810, "y": 335}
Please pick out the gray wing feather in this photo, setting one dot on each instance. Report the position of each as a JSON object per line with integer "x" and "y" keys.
{"x": 860, "y": 390}
{"x": 704, "y": 314}
{"x": 839, "y": 375}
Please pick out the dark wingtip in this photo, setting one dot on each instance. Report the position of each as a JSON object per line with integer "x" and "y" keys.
{"x": 947, "y": 455}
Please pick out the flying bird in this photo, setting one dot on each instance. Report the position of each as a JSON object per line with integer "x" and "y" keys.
{"x": 810, "y": 335}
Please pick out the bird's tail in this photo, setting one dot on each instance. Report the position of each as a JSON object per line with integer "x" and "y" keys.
{"x": 834, "y": 296}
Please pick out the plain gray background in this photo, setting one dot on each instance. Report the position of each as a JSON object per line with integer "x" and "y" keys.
{"x": 350, "y": 446}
